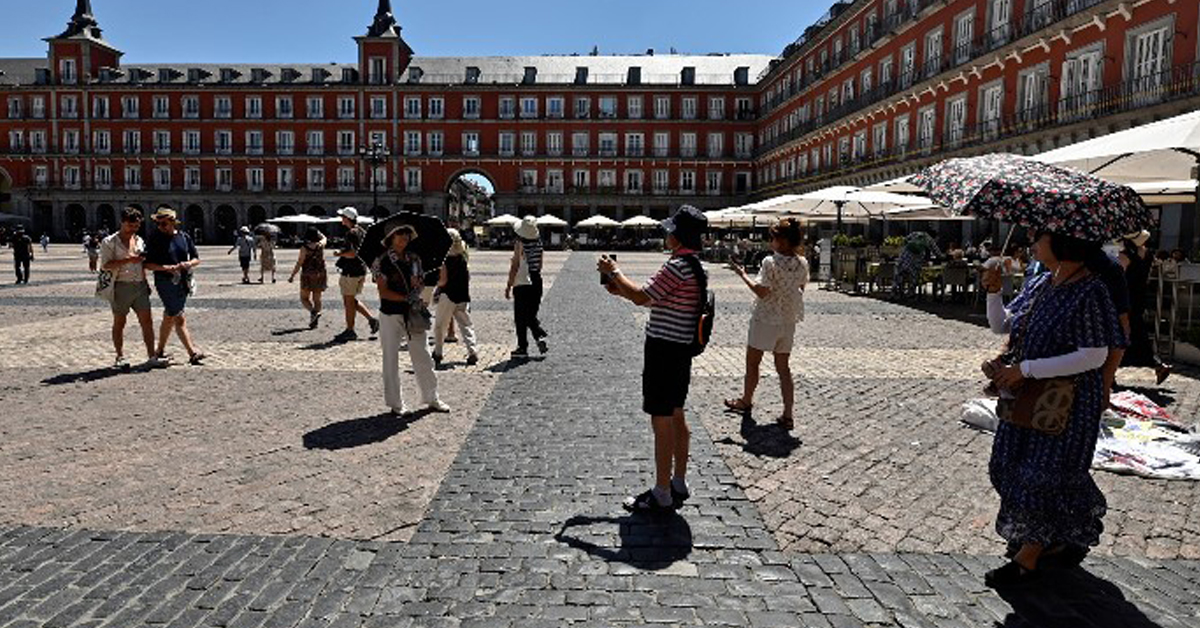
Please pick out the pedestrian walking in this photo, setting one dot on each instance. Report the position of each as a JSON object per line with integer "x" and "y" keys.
{"x": 91, "y": 246}
{"x": 404, "y": 319}
{"x": 674, "y": 296}
{"x": 22, "y": 247}
{"x": 45, "y": 243}
{"x": 244, "y": 245}
{"x": 123, "y": 254}
{"x": 525, "y": 288}
{"x": 313, "y": 277}
{"x": 778, "y": 307}
{"x": 919, "y": 247}
{"x": 454, "y": 301}
{"x": 266, "y": 256}
{"x": 1138, "y": 262}
{"x": 171, "y": 255}
{"x": 1061, "y": 329}
{"x": 353, "y": 276}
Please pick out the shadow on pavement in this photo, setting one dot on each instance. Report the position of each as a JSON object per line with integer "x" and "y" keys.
{"x": 648, "y": 542}
{"x": 359, "y": 432}
{"x": 769, "y": 440}
{"x": 328, "y": 344}
{"x": 1072, "y": 598}
{"x": 93, "y": 375}
{"x": 511, "y": 364}
{"x": 289, "y": 332}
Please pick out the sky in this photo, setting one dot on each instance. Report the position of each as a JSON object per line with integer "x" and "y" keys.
{"x": 320, "y": 31}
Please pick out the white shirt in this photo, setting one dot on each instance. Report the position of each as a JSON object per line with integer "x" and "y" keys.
{"x": 112, "y": 248}
{"x": 786, "y": 276}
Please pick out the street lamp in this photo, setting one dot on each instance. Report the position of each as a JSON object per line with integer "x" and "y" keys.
{"x": 374, "y": 154}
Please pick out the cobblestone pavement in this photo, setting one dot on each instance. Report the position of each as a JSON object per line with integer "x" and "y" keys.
{"x": 505, "y": 512}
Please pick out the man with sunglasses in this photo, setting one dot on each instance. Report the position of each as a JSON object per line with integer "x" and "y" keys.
{"x": 172, "y": 256}
{"x": 122, "y": 254}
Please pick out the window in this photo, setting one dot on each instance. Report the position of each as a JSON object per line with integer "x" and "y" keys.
{"x": 162, "y": 142}
{"x": 866, "y": 81}
{"x": 687, "y": 145}
{"x": 70, "y": 177}
{"x": 191, "y": 178}
{"x": 67, "y": 71}
{"x": 689, "y": 107}
{"x": 345, "y": 142}
{"x": 507, "y": 144}
{"x": 285, "y": 142}
{"x": 606, "y": 180}
{"x": 99, "y": 108}
{"x": 254, "y": 179}
{"x": 1032, "y": 93}
{"x": 191, "y": 142}
{"x": 662, "y": 107}
{"x": 436, "y": 143}
{"x": 254, "y": 142}
{"x": 964, "y": 36}
{"x": 224, "y": 142}
{"x": 926, "y": 119}
{"x": 662, "y": 181}
{"x": 716, "y": 108}
{"x": 956, "y": 120}
{"x": 412, "y": 143}
{"x": 579, "y": 144}
{"x": 377, "y": 70}
{"x": 990, "y": 111}
{"x": 528, "y": 143}
{"x": 554, "y": 143}
{"x": 162, "y": 178}
{"x": 316, "y": 107}
{"x": 713, "y": 182}
{"x": 378, "y": 107}
{"x": 471, "y": 107}
{"x": 555, "y": 106}
{"x": 223, "y": 107}
{"x": 345, "y": 107}
{"x": 377, "y": 138}
{"x": 662, "y": 144}
{"x": 102, "y": 177}
{"x": 529, "y": 107}
{"x": 635, "y": 144}
{"x": 254, "y": 107}
{"x": 855, "y": 42}
{"x": 716, "y": 145}
{"x": 70, "y": 107}
{"x": 16, "y": 141}
{"x": 412, "y": 180}
{"x": 633, "y": 105}
{"x": 687, "y": 182}
{"x": 843, "y": 150}
{"x": 1001, "y": 10}
{"x": 608, "y": 144}
{"x": 633, "y": 182}
{"x": 554, "y": 181}
{"x": 508, "y": 107}
{"x": 412, "y": 107}
{"x": 191, "y": 107}
{"x": 470, "y": 144}
{"x": 582, "y": 180}
{"x": 608, "y": 107}
{"x": 283, "y": 179}
{"x": 38, "y": 107}
{"x": 41, "y": 176}
{"x": 345, "y": 179}
{"x": 224, "y": 179}
{"x": 885, "y": 72}
{"x": 316, "y": 142}
{"x": 437, "y": 107}
{"x": 1149, "y": 52}
{"x": 848, "y": 90}
{"x": 583, "y": 107}
{"x": 379, "y": 178}
{"x": 131, "y": 141}
{"x": 284, "y": 107}
{"x": 316, "y": 179}
{"x": 70, "y": 141}
{"x": 529, "y": 181}
{"x": 933, "y": 52}
{"x": 908, "y": 65}
{"x": 14, "y": 108}
{"x": 879, "y": 139}
{"x": 744, "y": 145}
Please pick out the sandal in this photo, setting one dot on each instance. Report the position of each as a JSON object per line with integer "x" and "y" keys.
{"x": 1012, "y": 574}
{"x": 646, "y": 502}
{"x": 786, "y": 422}
{"x": 197, "y": 359}
{"x": 737, "y": 405}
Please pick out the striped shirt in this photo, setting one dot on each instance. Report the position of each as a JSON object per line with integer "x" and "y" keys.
{"x": 533, "y": 254}
{"x": 674, "y": 301}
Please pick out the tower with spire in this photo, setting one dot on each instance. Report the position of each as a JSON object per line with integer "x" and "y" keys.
{"x": 79, "y": 52}
{"x": 382, "y": 53}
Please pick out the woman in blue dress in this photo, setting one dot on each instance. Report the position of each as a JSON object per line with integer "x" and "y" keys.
{"x": 1063, "y": 324}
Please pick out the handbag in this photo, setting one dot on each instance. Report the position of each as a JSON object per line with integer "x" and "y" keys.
{"x": 1039, "y": 404}
{"x": 105, "y": 285}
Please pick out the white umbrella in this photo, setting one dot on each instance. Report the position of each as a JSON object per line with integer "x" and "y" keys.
{"x": 551, "y": 221}
{"x": 1166, "y": 192}
{"x": 641, "y": 222}
{"x": 298, "y": 219}
{"x": 896, "y": 186}
{"x": 1165, "y": 150}
{"x": 842, "y": 202}
{"x": 503, "y": 220}
{"x": 925, "y": 212}
{"x": 598, "y": 221}
{"x": 362, "y": 220}
{"x": 734, "y": 217}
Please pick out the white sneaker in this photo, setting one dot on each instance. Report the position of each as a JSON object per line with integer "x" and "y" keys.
{"x": 158, "y": 362}
{"x": 121, "y": 363}
{"x": 439, "y": 406}
{"x": 401, "y": 412}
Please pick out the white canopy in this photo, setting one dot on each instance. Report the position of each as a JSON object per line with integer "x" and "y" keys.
{"x": 896, "y": 186}
{"x": 641, "y": 222}
{"x": 362, "y": 220}
{"x": 855, "y": 203}
{"x": 927, "y": 212}
{"x": 298, "y": 219}
{"x": 551, "y": 221}
{"x": 503, "y": 220}
{"x": 1166, "y": 192}
{"x": 598, "y": 221}
{"x": 1167, "y": 150}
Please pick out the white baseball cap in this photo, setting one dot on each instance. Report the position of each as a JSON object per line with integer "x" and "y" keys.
{"x": 348, "y": 212}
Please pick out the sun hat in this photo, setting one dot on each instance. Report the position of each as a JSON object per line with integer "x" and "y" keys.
{"x": 1140, "y": 238}
{"x": 528, "y": 229}
{"x": 348, "y": 212}
{"x": 164, "y": 212}
{"x": 456, "y": 243}
{"x": 412, "y": 233}
{"x": 687, "y": 224}
{"x": 244, "y": 229}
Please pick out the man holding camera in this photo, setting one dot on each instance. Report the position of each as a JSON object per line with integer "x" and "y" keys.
{"x": 674, "y": 298}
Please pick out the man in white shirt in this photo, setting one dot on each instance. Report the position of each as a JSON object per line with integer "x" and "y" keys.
{"x": 122, "y": 254}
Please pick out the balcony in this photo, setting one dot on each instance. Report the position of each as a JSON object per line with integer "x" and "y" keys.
{"x": 662, "y": 152}
{"x": 316, "y": 151}
{"x": 579, "y": 152}
{"x": 608, "y": 152}
{"x": 508, "y": 114}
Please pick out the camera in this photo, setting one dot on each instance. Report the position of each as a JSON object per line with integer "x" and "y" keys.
{"x": 605, "y": 277}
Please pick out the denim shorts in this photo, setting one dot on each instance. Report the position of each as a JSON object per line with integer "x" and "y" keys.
{"x": 173, "y": 295}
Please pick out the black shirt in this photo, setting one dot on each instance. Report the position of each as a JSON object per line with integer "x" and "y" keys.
{"x": 458, "y": 280}
{"x": 403, "y": 275}
{"x": 22, "y": 247}
{"x": 1113, "y": 275}
{"x": 353, "y": 266}
{"x": 168, "y": 250}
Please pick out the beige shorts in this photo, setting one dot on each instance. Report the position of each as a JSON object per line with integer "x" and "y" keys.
{"x": 351, "y": 286}
{"x": 770, "y": 338}
{"x": 130, "y": 295}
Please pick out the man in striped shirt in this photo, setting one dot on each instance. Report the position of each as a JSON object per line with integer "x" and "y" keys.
{"x": 674, "y": 297}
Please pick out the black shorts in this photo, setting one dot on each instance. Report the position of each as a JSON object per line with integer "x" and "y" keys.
{"x": 245, "y": 262}
{"x": 665, "y": 377}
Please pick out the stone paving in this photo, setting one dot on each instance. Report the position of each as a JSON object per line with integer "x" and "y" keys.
{"x": 265, "y": 489}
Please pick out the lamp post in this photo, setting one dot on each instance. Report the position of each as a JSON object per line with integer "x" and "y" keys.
{"x": 374, "y": 154}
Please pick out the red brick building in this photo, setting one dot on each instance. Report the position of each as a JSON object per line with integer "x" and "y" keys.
{"x": 871, "y": 92}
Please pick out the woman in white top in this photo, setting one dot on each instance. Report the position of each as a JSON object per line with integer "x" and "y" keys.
{"x": 779, "y": 288}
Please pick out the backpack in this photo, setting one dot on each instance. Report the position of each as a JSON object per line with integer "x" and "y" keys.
{"x": 708, "y": 308}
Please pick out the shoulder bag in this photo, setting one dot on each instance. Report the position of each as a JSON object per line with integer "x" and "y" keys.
{"x": 1040, "y": 404}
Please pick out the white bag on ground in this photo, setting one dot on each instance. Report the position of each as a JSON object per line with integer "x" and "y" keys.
{"x": 980, "y": 414}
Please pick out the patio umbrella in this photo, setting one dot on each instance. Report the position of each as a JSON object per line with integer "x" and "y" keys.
{"x": 15, "y": 219}
{"x": 1033, "y": 194}
{"x": 266, "y": 229}
{"x": 598, "y": 221}
{"x": 299, "y": 219}
{"x": 551, "y": 221}
{"x": 1165, "y": 150}
{"x": 432, "y": 243}
{"x": 641, "y": 222}
{"x": 503, "y": 220}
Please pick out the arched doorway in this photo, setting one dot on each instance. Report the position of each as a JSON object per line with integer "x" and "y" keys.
{"x": 255, "y": 216}
{"x": 76, "y": 221}
{"x": 317, "y": 210}
{"x": 106, "y": 217}
{"x": 469, "y": 195}
{"x": 5, "y": 192}
{"x": 286, "y": 210}
{"x": 193, "y": 221}
{"x": 226, "y": 222}
{"x": 380, "y": 212}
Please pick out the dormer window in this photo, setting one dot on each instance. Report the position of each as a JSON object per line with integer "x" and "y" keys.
{"x": 634, "y": 76}
{"x": 415, "y": 74}
{"x": 259, "y": 75}
{"x": 472, "y": 75}
{"x": 530, "y": 75}
{"x": 229, "y": 75}
{"x": 741, "y": 76}
{"x": 349, "y": 75}
{"x": 319, "y": 75}
{"x": 581, "y": 76}
{"x": 688, "y": 76}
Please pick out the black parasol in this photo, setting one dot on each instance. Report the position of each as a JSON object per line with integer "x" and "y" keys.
{"x": 432, "y": 243}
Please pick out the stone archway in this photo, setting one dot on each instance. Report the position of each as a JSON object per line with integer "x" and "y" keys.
{"x": 6, "y": 201}
{"x": 76, "y": 221}
{"x": 255, "y": 216}
{"x": 225, "y": 221}
{"x": 469, "y": 196}
{"x": 193, "y": 221}
{"x": 317, "y": 210}
{"x": 106, "y": 217}
{"x": 286, "y": 210}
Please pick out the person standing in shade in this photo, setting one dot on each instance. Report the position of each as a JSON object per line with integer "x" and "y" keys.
{"x": 779, "y": 306}
{"x": 172, "y": 256}
{"x": 266, "y": 256}
{"x": 313, "y": 277}
{"x": 353, "y": 275}
{"x": 403, "y": 320}
{"x": 525, "y": 287}
{"x": 1138, "y": 262}
{"x": 22, "y": 246}
{"x": 122, "y": 254}
{"x": 454, "y": 300}
{"x": 244, "y": 245}
{"x": 674, "y": 296}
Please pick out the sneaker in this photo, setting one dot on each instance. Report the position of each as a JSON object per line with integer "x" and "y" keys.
{"x": 401, "y": 412}
{"x": 346, "y": 336}
{"x": 542, "y": 347}
{"x": 121, "y": 363}
{"x": 520, "y": 354}
{"x": 197, "y": 359}
{"x": 437, "y": 360}
{"x": 472, "y": 360}
{"x": 313, "y": 320}
{"x": 451, "y": 338}
{"x": 439, "y": 406}
{"x": 373, "y": 323}
{"x": 158, "y": 362}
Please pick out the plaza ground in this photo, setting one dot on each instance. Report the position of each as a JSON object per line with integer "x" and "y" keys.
{"x": 269, "y": 487}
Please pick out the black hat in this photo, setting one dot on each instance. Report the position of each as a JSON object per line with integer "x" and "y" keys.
{"x": 687, "y": 224}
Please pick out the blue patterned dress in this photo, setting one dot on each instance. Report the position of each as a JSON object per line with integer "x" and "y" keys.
{"x": 1047, "y": 494}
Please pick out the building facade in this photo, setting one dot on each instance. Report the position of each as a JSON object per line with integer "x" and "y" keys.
{"x": 871, "y": 92}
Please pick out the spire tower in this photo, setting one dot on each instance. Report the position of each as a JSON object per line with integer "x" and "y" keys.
{"x": 82, "y": 22}
{"x": 385, "y": 21}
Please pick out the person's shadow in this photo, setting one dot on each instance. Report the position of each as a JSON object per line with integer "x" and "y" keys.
{"x": 649, "y": 542}
{"x": 1072, "y": 597}
{"x": 770, "y": 440}
{"x": 359, "y": 432}
{"x": 94, "y": 375}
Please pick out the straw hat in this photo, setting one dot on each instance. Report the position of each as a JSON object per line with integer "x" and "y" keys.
{"x": 528, "y": 229}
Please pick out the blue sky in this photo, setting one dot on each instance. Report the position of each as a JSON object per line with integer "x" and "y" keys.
{"x": 318, "y": 31}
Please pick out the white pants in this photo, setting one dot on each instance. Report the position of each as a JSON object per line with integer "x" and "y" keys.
{"x": 392, "y": 334}
{"x": 447, "y": 311}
